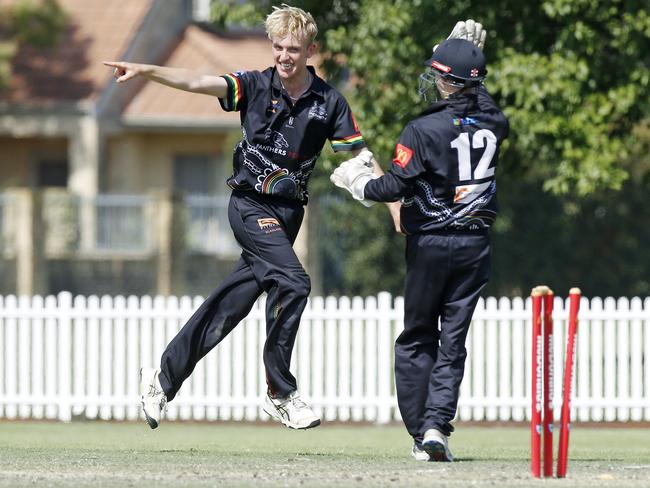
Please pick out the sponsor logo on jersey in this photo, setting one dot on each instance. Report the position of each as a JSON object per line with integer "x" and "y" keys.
{"x": 267, "y": 222}
{"x": 403, "y": 155}
{"x": 464, "y": 121}
{"x": 468, "y": 193}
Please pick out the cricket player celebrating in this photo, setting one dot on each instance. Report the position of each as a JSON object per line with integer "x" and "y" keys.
{"x": 444, "y": 172}
{"x": 287, "y": 113}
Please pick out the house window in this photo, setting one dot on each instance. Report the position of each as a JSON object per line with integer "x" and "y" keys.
{"x": 202, "y": 180}
{"x": 52, "y": 173}
{"x": 195, "y": 174}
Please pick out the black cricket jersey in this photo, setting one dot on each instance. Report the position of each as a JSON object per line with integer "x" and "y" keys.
{"x": 445, "y": 166}
{"x": 282, "y": 139}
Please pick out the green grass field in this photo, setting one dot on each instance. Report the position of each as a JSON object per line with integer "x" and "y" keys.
{"x": 103, "y": 454}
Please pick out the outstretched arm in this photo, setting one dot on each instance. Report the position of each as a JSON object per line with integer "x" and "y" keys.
{"x": 179, "y": 78}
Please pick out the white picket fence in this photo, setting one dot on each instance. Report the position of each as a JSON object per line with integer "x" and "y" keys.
{"x": 64, "y": 358}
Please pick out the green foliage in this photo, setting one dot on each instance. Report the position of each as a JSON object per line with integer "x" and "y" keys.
{"x": 578, "y": 95}
{"x": 7, "y": 51}
{"x": 37, "y": 23}
{"x": 232, "y": 13}
{"x": 361, "y": 253}
{"x": 599, "y": 243}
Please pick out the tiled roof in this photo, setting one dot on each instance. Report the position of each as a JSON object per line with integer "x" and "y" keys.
{"x": 98, "y": 30}
{"x": 103, "y": 30}
{"x": 206, "y": 52}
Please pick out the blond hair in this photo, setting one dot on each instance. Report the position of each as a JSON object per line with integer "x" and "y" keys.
{"x": 287, "y": 20}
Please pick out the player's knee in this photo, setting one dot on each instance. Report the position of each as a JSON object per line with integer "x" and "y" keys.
{"x": 300, "y": 284}
{"x": 294, "y": 281}
{"x": 453, "y": 353}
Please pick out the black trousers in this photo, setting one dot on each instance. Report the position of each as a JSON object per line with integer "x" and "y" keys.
{"x": 266, "y": 228}
{"x": 444, "y": 277}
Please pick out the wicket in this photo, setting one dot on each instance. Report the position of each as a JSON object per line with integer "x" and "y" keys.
{"x": 541, "y": 423}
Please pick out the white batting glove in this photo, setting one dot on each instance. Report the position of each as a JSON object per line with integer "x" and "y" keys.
{"x": 366, "y": 156}
{"x": 470, "y": 31}
{"x": 476, "y": 34}
{"x": 353, "y": 175}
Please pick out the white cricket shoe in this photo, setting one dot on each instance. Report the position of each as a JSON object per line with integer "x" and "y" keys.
{"x": 153, "y": 397}
{"x": 435, "y": 444}
{"x": 419, "y": 454}
{"x": 291, "y": 411}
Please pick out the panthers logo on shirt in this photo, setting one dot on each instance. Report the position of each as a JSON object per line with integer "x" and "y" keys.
{"x": 276, "y": 138}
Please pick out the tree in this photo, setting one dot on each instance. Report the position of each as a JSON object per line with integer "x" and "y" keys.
{"x": 35, "y": 22}
{"x": 572, "y": 77}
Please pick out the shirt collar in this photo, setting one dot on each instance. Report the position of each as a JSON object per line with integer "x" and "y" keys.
{"x": 317, "y": 84}
{"x": 434, "y": 107}
{"x": 458, "y": 102}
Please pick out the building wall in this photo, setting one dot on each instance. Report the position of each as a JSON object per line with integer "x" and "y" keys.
{"x": 138, "y": 163}
{"x": 7, "y": 276}
{"x": 74, "y": 136}
{"x": 18, "y": 158}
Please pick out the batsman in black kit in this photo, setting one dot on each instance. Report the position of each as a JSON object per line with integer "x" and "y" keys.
{"x": 444, "y": 173}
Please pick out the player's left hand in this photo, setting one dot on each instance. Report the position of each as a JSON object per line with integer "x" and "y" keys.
{"x": 469, "y": 30}
{"x": 353, "y": 175}
{"x": 475, "y": 33}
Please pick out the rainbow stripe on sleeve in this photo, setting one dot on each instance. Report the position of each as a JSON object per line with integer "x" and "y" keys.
{"x": 234, "y": 90}
{"x": 347, "y": 143}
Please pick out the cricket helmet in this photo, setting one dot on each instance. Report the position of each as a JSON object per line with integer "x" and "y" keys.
{"x": 456, "y": 62}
